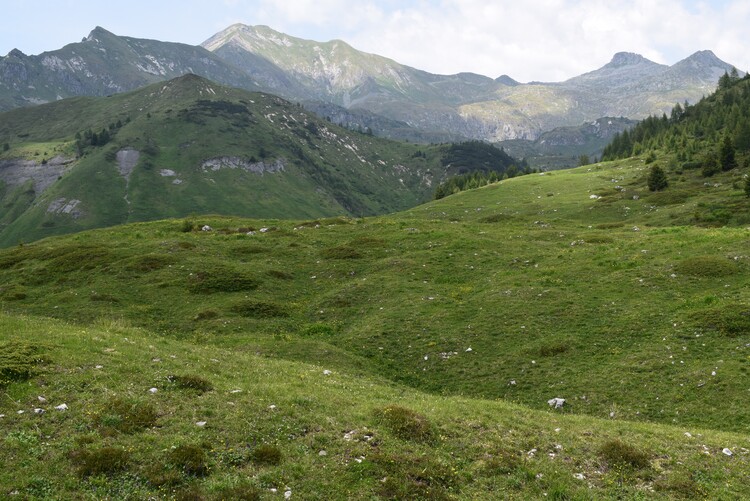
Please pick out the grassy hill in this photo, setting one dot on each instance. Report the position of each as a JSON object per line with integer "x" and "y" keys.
{"x": 472, "y": 311}
{"x": 190, "y": 146}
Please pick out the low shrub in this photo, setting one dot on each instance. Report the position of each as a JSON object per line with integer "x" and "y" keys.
{"x": 191, "y": 382}
{"x": 502, "y": 462}
{"x": 706, "y": 266}
{"x": 413, "y": 477}
{"x": 341, "y": 252}
{"x": 731, "y": 320}
{"x": 18, "y": 361}
{"x": 259, "y": 309}
{"x": 553, "y": 348}
{"x": 190, "y": 459}
{"x": 405, "y": 423}
{"x": 206, "y": 315}
{"x": 266, "y": 454}
{"x": 220, "y": 279}
{"x": 124, "y": 416}
{"x": 103, "y": 461}
{"x": 241, "y": 492}
{"x": 150, "y": 262}
{"x": 619, "y": 454}
{"x": 281, "y": 275}
{"x": 496, "y": 218}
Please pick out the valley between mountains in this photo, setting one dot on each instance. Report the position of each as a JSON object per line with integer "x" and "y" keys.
{"x": 209, "y": 291}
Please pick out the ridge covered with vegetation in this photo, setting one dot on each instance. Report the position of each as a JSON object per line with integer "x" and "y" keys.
{"x": 190, "y": 146}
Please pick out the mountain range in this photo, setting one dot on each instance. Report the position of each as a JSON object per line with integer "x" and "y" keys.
{"x": 359, "y": 88}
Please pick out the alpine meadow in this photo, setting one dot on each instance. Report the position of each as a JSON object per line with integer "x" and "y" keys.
{"x": 210, "y": 292}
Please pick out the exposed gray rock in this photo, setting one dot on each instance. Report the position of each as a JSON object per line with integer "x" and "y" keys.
{"x": 65, "y": 206}
{"x": 127, "y": 158}
{"x": 556, "y": 402}
{"x": 214, "y": 164}
{"x": 18, "y": 171}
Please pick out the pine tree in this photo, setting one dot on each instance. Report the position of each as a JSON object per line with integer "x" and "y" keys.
{"x": 657, "y": 179}
{"x": 728, "y": 160}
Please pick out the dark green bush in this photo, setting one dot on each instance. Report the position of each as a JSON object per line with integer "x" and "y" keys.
{"x": 206, "y": 315}
{"x": 731, "y": 320}
{"x": 103, "y": 461}
{"x": 241, "y": 492}
{"x": 341, "y": 252}
{"x": 405, "y": 423}
{"x": 706, "y": 266}
{"x": 502, "y": 462}
{"x": 190, "y": 459}
{"x": 266, "y": 454}
{"x": 125, "y": 416}
{"x": 151, "y": 262}
{"x": 553, "y": 348}
{"x": 220, "y": 279}
{"x": 619, "y": 454}
{"x": 281, "y": 275}
{"x": 191, "y": 382}
{"x": 18, "y": 360}
{"x": 259, "y": 309}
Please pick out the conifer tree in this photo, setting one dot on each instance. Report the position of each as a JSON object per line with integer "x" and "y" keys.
{"x": 728, "y": 160}
{"x": 657, "y": 179}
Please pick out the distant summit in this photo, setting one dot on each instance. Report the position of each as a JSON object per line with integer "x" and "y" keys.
{"x": 506, "y": 80}
{"x": 627, "y": 59}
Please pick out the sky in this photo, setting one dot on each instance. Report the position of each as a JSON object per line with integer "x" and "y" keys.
{"x": 539, "y": 40}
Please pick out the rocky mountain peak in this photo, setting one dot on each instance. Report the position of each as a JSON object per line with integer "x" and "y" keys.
{"x": 16, "y": 53}
{"x": 626, "y": 59}
{"x": 705, "y": 58}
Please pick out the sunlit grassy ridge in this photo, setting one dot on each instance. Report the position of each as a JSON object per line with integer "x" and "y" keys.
{"x": 583, "y": 285}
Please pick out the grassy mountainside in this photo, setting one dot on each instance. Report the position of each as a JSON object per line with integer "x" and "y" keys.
{"x": 581, "y": 285}
{"x": 191, "y": 146}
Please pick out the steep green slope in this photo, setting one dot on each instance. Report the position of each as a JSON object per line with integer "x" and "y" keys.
{"x": 191, "y": 146}
{"x": 148, "y": 417}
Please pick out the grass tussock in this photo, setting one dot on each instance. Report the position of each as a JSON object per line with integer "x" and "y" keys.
{"x": 405, "y": 423}
{"x": 618, "y": 454}
{"x": 706, "y": 267}
{"x": 407, "y": 476}
{"x": 18, "y": 361}
{"x": 220, "y": 279}
{"x": 496, "y": 218}
{"x": 732, "y": 320}
{"x": 125, "y": 416}
{"x": 266, "y": 454}
{"x": 191, "y": 382}
{"x": 259, "y": 309}
{"x": 341, "y": 252}
{"x": 190, "y": 459}
{"x": 150, "y": 262}
{"x": 102, "y": 461}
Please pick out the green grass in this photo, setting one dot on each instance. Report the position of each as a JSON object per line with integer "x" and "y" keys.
{"x": 272, "y": 424}
{"x": 442, "y": 341}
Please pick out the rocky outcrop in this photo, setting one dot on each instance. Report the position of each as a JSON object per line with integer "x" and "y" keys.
{"x": 19, "y": 171}
{"x": 261, "y": 167}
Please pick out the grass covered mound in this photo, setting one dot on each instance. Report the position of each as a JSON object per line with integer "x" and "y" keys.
{"x": 270, "y": 426}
